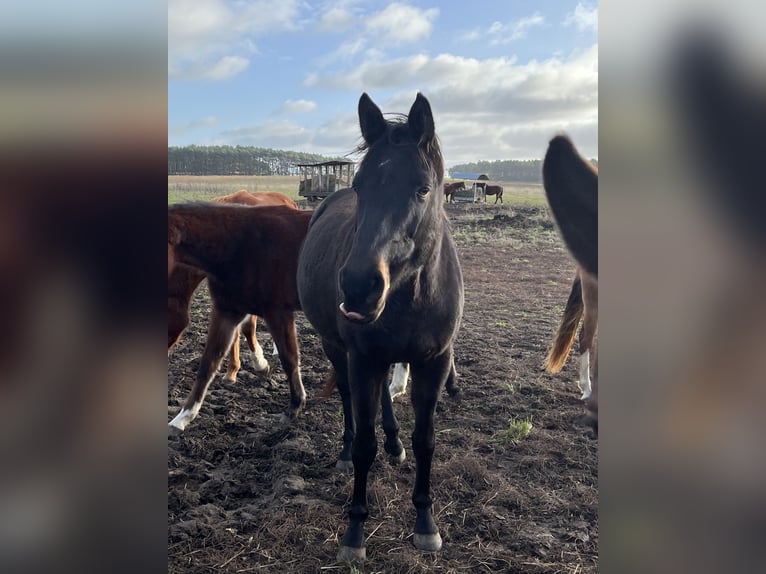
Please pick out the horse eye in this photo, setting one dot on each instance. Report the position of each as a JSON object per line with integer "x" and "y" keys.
{"x": 423, "y": 191}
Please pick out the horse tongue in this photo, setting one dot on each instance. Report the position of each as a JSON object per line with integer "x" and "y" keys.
{"x": 350, "y": 314}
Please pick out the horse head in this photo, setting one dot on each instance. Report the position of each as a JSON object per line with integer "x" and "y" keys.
{"x": 399, "y": 197}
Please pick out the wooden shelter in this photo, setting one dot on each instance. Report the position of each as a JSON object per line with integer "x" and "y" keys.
{"x": 318, "y": 180}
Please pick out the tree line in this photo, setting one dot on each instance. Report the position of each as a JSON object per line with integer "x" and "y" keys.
{"x": 236, "y": 160}
{"x": 529, "y": 170}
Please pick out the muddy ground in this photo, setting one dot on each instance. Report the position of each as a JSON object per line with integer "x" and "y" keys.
{"x": 246, "y": 494}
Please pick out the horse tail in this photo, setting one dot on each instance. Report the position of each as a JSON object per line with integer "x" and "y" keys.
{"x": 329, "y": 385}
{"x": 565, "y": 336}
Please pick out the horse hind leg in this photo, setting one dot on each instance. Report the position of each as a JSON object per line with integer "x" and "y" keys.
{"x": 398, "y": 384}
{"x": 451, "y": 385}
{"x": 393, "y": 445}
{"x": 339, "y": 362}
{"x": 234, "y": 363}
{"x": 282, "y": 327}
{"x": 220, "y": 337}
{"x": 587, "y": 334}
{"x": 260, "y": 364}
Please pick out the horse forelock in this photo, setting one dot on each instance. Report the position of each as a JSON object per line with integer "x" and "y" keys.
{"x": 398, "y": 134}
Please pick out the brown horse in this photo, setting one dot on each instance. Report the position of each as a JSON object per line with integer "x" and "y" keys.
{"x": 249, "y": 255}
{"x": 571, "y": 185}
{"x": 451, "y": 188}
{"x": 496, "y": 190}
{"x": 183, "y": 281}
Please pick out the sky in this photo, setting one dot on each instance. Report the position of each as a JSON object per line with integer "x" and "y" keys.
{"x": 502, "y": 76}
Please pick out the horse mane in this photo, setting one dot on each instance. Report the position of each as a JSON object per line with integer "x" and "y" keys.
{"x": 398, "y": 134}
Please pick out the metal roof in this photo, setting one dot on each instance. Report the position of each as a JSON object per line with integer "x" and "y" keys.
{"x": 323, "y": 163}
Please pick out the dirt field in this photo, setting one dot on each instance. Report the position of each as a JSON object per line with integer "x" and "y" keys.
{"x": 248, "y": 495}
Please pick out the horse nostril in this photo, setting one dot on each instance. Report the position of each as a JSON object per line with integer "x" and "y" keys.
{"x": 376, "y": 282}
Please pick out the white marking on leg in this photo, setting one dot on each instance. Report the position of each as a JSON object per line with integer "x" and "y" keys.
{"x": 186, "y": 416}
{"x": 259, "y": 361}
{"x": 274, "y": 351}
{"x": 398, "y": 384}
{"x": 585, "y": 375}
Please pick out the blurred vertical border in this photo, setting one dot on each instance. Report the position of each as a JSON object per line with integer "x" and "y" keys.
{"x": 682, "y": 106}
{"x": 83, "y": 144}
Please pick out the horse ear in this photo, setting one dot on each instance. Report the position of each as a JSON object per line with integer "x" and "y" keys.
{"x": 421, "y": 120}
{"x": 370, "y": 120}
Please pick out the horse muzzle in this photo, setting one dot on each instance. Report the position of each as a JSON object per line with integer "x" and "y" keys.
{"x": 363, "y": 292}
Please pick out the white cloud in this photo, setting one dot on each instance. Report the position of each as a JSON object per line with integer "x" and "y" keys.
{"x": 400, "y": 23}
{"x": 336, "y": 20}
{"x": 297, "y": 107}
{"x": 222, "y": 69}
{"x": 211, "y": 39}
{"x": 514, "y": 30}
{"x": 585, "y": 17}
{"x": 495, "y": 108}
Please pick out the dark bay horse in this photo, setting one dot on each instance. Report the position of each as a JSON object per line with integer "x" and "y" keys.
{"x": 184, "y": 280}
{"x": 451, "y": 188}
{"x": 380, "y": 281}
{"x": 249, "y": 255}
{"x": 571, "y": 185}
{"x": 496, "y": 190}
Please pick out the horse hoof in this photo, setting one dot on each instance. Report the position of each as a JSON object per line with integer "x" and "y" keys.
{"x": 263, "y": 372}
{"x": 174, "y": 431}
{"x": 397, "y": 459}
{"x": 428, "y": 542}
{"x": 351, "y": 554}
{"x": 230, "y": 378}
{"x": 344, "y": 466}
{"x": 288, "y": 417}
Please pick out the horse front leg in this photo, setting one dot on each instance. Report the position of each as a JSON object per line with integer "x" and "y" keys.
{"x": 282, "y": 327}
{"x": 427, "y": 381}
{"x": 366, "y": 380}
{"x": 220, "y": 337}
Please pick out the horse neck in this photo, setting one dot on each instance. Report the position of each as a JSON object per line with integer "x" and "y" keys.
{"x": 204, "y": 240}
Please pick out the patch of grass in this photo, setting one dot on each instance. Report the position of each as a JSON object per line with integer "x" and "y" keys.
{"x": 518, "y": 429}
{"x": 510, "y": 388}
{"x": 501, "y": 324}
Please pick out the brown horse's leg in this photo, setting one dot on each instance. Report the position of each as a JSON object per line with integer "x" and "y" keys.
{"x": 260, "y": 364}
{"x": 219, "y": 338}
{"x": 282, "y": 327}
{"x": 178, "y": 320}
{"x": 427, "y": 380}
{"x": 234, "y": 363}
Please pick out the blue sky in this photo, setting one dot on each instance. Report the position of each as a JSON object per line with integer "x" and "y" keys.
{"x": 502, "y": 77}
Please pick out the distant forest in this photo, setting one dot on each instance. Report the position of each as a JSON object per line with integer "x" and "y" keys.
{"x": 236, "y": 160}
{"x": 248, "y": 160}
{"x": 530, "y": 170}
